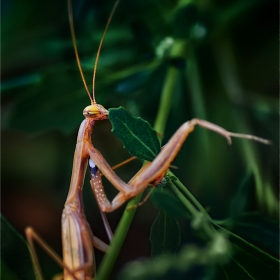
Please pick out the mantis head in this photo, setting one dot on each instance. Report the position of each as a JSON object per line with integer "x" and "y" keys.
{"x": 95, "y": 112}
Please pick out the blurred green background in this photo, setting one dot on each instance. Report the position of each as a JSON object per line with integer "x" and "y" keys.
{"x": 224, "y": 53}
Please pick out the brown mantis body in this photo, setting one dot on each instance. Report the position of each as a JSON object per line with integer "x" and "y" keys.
{"x": 77, "y": 237}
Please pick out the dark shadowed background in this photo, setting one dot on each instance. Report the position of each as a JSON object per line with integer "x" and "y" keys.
{"x": 228, "y": 75}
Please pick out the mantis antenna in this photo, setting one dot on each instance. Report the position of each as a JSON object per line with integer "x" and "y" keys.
{"x": 70, "y": 14}
{"x": 100, "y": 46}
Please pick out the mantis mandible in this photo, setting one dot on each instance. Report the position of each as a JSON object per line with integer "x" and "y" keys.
{"x": 77, "y": 237}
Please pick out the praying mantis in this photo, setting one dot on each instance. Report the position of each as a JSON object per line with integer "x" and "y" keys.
{"x": 77, "y": 238}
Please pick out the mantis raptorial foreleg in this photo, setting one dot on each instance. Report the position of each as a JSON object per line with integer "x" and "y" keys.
{"x": 153, "y": 171}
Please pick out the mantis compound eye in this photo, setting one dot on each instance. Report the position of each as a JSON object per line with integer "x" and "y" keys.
{"x": 95, "y": 109}
{"x": 91, "y": 110}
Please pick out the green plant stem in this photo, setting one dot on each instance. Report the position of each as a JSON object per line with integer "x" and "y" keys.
{"x": 192, "y": 198}
{"x": 184, "y": 200}
{"x": 168, "y": 88}
{"x": 209, "y": 230}
{"x": 195, "y": 84}
{"x": 166, "y": 100}
{"x": 127, "y": 217}
{"x": 117, "y": 242}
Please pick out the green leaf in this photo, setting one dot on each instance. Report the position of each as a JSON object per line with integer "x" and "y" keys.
{"x": 40, "y": 107}
{"x": 257, "y": 229}
{"x": 241, "y": 200}
{"x": 167, "y": 201}
{"x": 249, "y": 261}
{"x": 165, "y": 235}
{"x": 136, "y": 134}
{"x": 184, "y": 19}
{"x": 234, "y": 12}
{"x": 192, "y": 262}
{"x": 6, "y": 273}
{"x": 15, "y": 255}
{"x": 20, "y": 82}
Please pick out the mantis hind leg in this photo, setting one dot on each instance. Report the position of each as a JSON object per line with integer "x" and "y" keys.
{"x": 31, "y": 235}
